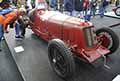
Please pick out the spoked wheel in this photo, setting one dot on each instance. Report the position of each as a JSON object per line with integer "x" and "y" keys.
{"x": 61, "y": 59}
{"x": 108, "y": 39}
{"x": 117, "y": 11}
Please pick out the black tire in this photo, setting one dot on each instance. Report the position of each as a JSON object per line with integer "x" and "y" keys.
{"x": 111, "y": 36}
{"x": 117, "y": 11}
{"x": 61, "y": 59}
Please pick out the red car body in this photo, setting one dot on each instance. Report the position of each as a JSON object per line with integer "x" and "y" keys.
{"x": 79, "y": 35}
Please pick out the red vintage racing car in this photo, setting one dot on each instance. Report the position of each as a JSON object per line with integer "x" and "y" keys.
{"x": 69, "y": 37}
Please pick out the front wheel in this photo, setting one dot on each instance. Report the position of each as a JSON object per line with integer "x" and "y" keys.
{"x": 108, "y": 39}
{"x": 61, "y": 59}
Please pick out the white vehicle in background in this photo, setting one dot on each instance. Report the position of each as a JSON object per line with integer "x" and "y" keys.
{"x": 117, "y": 10}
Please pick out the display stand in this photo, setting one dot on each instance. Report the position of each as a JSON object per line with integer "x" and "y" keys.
{"x": 33, "y": 63}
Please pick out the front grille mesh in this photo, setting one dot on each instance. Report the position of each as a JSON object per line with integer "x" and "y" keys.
{"x": 90, "y": 36}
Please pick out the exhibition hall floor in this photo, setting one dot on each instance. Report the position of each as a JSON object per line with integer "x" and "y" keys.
{"x": 8, "y": 67}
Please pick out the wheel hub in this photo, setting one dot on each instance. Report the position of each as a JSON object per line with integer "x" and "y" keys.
{"x": 54, "y": 60}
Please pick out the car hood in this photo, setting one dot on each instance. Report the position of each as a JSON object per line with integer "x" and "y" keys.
{"x": 60, "y": 17}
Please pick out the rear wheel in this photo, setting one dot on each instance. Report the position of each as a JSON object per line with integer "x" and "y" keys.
{"x": 61, "y": 59}
{"x": 108, "y": 39}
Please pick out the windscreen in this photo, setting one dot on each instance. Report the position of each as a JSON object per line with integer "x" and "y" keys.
{"x": 42, "y": 6}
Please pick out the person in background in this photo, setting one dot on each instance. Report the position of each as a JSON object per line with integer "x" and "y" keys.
{"x": 78, "y": 8}
{"x": 21, "y": 24}
{"x": 4, "y": 9}
{"x": 102, "y": 5}
{"x": 117, "y": 3}
{"x": 60, "y": 5}
{"x": 20, "y": 3}
{"x": 14, "y": 2}
{"x": 69, "y": 6}
{"x": 47, "y": 1}
{"x": 9, "y": 17}
{"x": 105, "y": 4}
{"x": 86, "y": 9}
{"x": 33, "y": 3}
{"x": 93, "y": 7}
{"x": 1, "y": 35}
{"x": 29, "y": 4}
{"x": 53, "y": 4}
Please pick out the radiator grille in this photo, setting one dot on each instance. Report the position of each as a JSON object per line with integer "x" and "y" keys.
{"x": 90, "y": 36}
